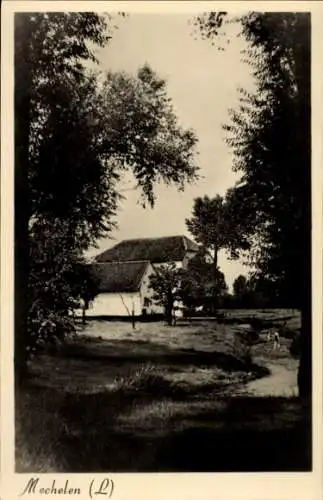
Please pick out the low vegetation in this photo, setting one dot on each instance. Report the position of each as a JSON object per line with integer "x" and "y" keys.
{"x": 122, "y": 400}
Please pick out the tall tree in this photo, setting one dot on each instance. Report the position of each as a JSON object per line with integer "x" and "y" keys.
{"x": 208, "y": 225}
{"x": 76, "y": 134}
{"x": 214, "y": 226}
{"x": 270, "y": 135}
{"x": 46, "y": 46}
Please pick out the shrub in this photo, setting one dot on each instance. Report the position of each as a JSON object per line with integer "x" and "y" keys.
{"x": 242, "y": 349}
{"x": 48, "y": 333}
{"x": 146, "y": 379}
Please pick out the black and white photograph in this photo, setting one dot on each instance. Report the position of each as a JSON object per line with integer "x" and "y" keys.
{"x": 162, "y": 241}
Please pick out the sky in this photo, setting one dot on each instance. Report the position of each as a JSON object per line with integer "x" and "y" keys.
{"x": 202, "y": 83}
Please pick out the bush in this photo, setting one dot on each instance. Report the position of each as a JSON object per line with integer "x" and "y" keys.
{"x": 242, "y": 350}
{"x": 147, "y": 379}
{"x": 48, "y": 333}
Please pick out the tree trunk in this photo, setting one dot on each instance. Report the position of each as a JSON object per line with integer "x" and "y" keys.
{"x": 214, "y": 280}
{"x": 21, "y": 195}
{"x": 84, "y": 309}
{"x": 133, "y": 321}
{"x": 304, "y": 79}
{"x": 305, "y": 365}
{"x": 304, "y": 378}
{"x": 169, "y": 314}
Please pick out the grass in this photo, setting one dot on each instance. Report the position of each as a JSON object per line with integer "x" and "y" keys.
{"x": 161, "y": 398}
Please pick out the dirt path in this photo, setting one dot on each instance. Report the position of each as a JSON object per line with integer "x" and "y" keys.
{"x": 281, "y": 382}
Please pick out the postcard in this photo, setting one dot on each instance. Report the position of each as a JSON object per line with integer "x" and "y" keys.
{"x": 161, "y": 255}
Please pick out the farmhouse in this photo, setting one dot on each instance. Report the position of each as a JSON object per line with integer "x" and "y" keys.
{"x": 123, "y": 289}
{"x": 124, "y": 271}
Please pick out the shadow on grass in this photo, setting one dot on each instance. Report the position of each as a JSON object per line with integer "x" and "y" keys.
{"x": 236, "y": 450}
{"x": 81, "y": 433}
{"x": 128, "y": 351}
{"x": 73, "y": 428}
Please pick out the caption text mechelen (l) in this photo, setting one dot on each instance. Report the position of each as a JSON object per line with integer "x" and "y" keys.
{"x": 97, "y": 487}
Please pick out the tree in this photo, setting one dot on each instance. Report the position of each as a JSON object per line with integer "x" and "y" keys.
{"x": 240, "y": 285}
{"x": 214, "y": 226}
{"x": 142, "y": 132}
{"x": 193, "y": 283}
{"x": 279, "y": 142}
{"x": 59, "y": 281}
{"x": 86, "y": 284}
{"x": 76, "y": 133}
{"x": 270, "y": 135}
{"x": 166, "y": 283}
{"x": 246, "y": 293}
{"x": 215, "y": 291}
{"x": 269, "y": 151}
{"x": 197, "y": 285}
{"x": 46, "y": 46}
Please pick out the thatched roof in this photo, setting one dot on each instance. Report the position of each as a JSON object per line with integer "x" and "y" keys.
{"x": 155, "y": 250}
{"x": 119, "y": 277}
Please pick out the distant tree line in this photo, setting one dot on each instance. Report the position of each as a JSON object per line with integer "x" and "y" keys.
{"x": 196, "y": 293}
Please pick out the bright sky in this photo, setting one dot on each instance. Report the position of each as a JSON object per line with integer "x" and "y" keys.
{"x": 202, "y": 82}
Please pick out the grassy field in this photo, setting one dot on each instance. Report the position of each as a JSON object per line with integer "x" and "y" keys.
{"x": 195, "y": 397}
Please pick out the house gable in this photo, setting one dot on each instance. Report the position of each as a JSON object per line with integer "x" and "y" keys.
{"x": 119, "y": 277}
{"x": 124, "y": 288}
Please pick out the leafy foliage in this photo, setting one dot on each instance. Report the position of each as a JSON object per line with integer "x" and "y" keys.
{"x": 50, "y": 51}
{"x": 270, "y": 138}
{"x": 197, "y": 286}
{"x": 142, "y": 132}
{"x": 210, "y": 25}
{"x": 240, "y": 285}
{"x": 216, "y": 226}
{"x": 166, "y": 284}
{"x": 77, "y": 132}
{"x": 213, "y": 226}
{"x": 252, "y": 293}
{"x": 59, "y": 281}
{"x": 270, "y": 135}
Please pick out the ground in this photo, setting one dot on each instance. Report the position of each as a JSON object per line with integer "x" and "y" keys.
{"x": 194, "y": 397}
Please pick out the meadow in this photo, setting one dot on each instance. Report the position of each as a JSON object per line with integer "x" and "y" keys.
{"x": 198, "y": 396}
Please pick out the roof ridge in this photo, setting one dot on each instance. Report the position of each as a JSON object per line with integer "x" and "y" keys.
{"x": 152, "y": 238}
{"x": 124, "y": 262}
